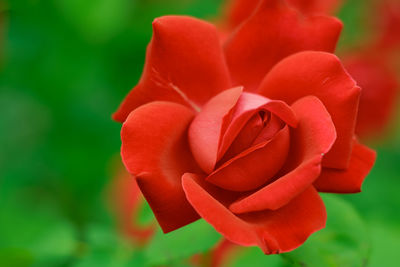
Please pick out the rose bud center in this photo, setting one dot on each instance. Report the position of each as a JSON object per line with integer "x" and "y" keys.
{"x": 248, "y": 144}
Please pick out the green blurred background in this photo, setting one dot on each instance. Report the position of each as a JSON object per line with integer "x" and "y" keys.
{"x": 65, "y": 66}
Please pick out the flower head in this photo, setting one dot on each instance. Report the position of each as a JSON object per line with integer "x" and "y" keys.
{"x": 245, "y": 133}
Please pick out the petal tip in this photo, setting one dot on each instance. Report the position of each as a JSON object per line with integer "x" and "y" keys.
{"x": 118, "y": 116}
{"x": 159, "y": 21}
{"x": 269, "y": 244}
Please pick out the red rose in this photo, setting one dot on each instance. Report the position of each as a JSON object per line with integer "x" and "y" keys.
{"x": 371, "y": 68}
{"x": 244, "y": 135}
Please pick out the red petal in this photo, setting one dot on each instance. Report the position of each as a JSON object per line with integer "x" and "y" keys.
{"x": 315, "y": 134}
{"x": 322, "y": 75}
{"x": 273, "y": 126}
{"x": 215, "y": 128}
{"x": 207, "y": 126}
{"x": 254, "y": 133}
{"x": 155, "y": 150}
{"x": 350, "y": 180}
{"x": 184, "y": 64}
{"x": 253, "y": 167}
{"x": 312, "y": 138}
{"x": 247, "y": 136}
{"x": 316, "y": 6}
{"x": 239, "y": 11}
{"x": 272, "y": 33}
{"x": 283, "y": 190}
{"x": 248, "y": 105}
{"x": 273, "y": 231}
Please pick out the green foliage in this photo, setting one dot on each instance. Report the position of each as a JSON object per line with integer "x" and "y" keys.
{"x": 254, "y": 257}
{"x": 34, "y": 237}
{"x": 103, "y": 247}
{"x": 344, "y": 242}
{"x": 380, "y": 198}
{"x": 67, "y": 65}
{"x": 145, "y": 215}
{"x": 354, "y": 16}
{"x": 192, "y": 239}
{"x": 96, "y": 20}
{"x": 385, "y": 245}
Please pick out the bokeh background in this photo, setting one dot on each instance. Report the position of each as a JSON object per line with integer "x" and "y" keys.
{"x": 65, "y": 65}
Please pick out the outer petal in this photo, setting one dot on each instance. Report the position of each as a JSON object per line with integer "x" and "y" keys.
{"x": 273, "y": 231}
{"x": 322, "y": 75}
{"x": 155, "y": 150}
{"x": 313, "y": 137}
{"x": 239, "y": 11}
{"x": 184, "y": 64}
{"x": 316, "y": 6}
{"x": 350, "y": 180}
{"x": 272, "y": 33}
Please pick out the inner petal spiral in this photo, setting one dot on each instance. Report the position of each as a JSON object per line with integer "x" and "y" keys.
{"x": 260, "y": 128}
{"x": 255, "y": 166}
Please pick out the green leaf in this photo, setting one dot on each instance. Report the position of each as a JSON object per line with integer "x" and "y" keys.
{"x": 385, "y": 245}
{"x": 15, "y": 257}
{"x": 34, "y": 235}
{"x": 97, "y": 19}
{"x": 354, "y": 16}
{"x": 380, "y": 199}
{"x": 115, "y": 257}
{"x": 344, "y": 242}
{"x": 194, "y": 238}
{"x": 105, "y": 248}
{"x": 145, "y": 215}
{"x": 253, "y": 256}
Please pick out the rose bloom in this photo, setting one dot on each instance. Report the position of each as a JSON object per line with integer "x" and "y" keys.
{"x": 244, "y": 133}
{"x": 370, "y": 65}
